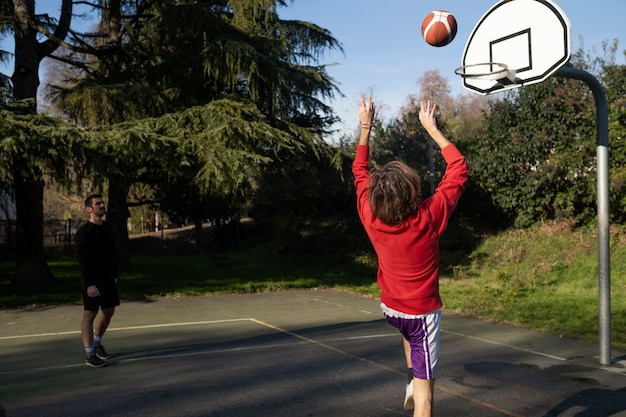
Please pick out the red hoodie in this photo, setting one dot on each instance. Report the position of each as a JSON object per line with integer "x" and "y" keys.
{"x": 408, "y": 254}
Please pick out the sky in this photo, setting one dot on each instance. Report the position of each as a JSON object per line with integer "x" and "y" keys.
{"x": 384, "y": 53}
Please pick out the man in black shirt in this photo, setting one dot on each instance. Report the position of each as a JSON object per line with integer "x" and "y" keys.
{"x": 95, "y": 251}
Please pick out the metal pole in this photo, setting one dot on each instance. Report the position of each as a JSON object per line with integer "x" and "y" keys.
{"x": 602, "y": 152}
{"x": 431, "y": 166}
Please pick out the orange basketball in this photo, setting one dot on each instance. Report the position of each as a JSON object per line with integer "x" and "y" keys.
{"x": 439, "y": 28}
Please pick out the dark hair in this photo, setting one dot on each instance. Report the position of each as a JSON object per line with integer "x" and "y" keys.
{"x": 89, "y": 200}
{"x": 395, "y": 192}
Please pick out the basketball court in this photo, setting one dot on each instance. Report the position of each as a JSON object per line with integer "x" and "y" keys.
{"x": 301, "y": 353}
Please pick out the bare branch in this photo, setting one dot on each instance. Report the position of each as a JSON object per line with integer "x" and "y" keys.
{"x": 65, "y": 60}
{"x": 52, "y": 43}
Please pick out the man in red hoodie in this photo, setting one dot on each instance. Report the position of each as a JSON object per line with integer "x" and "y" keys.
{"x": 405, "y": 231}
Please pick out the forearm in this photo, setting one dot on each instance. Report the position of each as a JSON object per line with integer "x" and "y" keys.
{"x": 364, "y": 135}
{"x": 438, "y": 137}
{"x": 366, "y": 119}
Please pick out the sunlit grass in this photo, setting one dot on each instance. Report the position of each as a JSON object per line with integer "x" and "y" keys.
{"x": 246, "y": 271}
{"x": 543, "y": 278}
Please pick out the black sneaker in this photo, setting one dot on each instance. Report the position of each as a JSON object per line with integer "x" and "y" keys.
{"x": 101, "y": 353}
{"x": 95, "y": 362}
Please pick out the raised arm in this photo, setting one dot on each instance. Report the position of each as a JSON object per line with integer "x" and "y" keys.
{"x": 427, "y": 119}
{"x": 366, "y": 118}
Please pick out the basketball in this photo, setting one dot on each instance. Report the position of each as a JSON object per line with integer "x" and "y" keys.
{"x": 439, "y": 28}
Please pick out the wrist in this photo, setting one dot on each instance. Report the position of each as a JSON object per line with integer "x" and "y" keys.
{"x": 433, "y": 131}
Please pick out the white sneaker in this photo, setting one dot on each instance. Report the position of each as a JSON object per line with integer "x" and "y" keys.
{"x": 408, "y": 397}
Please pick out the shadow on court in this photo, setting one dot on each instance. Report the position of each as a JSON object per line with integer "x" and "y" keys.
{"x": 611, "y": 402}
{"x": 302, "y": 353}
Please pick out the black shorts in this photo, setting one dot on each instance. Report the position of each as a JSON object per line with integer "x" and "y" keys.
{"x": 109, "y": 297}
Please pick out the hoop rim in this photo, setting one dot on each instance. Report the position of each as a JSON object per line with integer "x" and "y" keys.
{"x": 498, "y": 74}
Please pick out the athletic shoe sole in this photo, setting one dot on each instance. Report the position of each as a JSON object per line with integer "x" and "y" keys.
{"x": 95, "y": 362}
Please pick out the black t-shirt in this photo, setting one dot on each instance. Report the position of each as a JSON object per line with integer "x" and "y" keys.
{"x": 95, "y": 252}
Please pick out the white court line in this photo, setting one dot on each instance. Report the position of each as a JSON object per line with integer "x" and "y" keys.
{"x": 156, "y": 357}
{"x": 302, "y": 340}
{"x": 547, "y": 355}
{"x": 338, "y": 305}
{"x": 197, "y": 323}
{"x": 390, "y": 369}
{"x": 114, "y": 329}
{"x": 202, "y": 352}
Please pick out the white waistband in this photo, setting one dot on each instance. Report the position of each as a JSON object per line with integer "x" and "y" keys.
{"x": 387, "y": 311}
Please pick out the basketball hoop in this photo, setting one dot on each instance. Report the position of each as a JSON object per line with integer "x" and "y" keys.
{"x": 501, "y": 74}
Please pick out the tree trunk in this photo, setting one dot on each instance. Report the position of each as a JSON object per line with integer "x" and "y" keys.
{"x": 117, "y": 215}
{"x": 30, "y": 260}
{"x": 118, "y": 185}
{"x": 31, "y": 265}
{"x": 199, "y": 234}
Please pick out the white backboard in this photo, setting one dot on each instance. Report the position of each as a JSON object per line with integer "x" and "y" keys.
{"x": 531, "y": 37}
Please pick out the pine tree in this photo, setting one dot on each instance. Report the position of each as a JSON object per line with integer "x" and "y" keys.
{"x": 221, "y": 58}
{"x": 28, "y": 150}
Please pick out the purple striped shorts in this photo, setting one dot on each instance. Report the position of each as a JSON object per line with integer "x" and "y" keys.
{"x": 422, "y": 333}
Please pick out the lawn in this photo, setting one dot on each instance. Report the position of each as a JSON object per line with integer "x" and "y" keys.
{"x": 544, "y": 278}
{"x": 255, "y": 269}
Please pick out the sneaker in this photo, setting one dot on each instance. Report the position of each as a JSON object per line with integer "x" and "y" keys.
{"x": 95, "y": 362}
{"x": 408, "y": 397}
{"x": 101, "y": 353}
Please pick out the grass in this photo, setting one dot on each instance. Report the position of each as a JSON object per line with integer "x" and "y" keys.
{"x": 257, "y": 269}
{"x": 545, "y": 278}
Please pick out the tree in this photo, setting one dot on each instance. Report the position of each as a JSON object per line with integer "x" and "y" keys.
{"x": 613, "y": 76}
{"x": 434, "y": 87}
{"x": 537, "y": 158}
{"x": 406, "y": 139}
{"x": 27, "y": 174}
{"x": 236, "y": 49}
{"x": 467, "y": 120}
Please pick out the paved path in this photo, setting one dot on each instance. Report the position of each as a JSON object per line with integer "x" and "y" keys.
{"x": 301, "y": 353}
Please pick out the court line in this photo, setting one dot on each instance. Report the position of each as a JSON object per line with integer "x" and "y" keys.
{"x": 115, "y": 329}
{"x": 387, "y": 368}
{"x": 319, "y": 300}
{"x": 179, "y": 324}
{"x": 154, "y": 326}
{"x": 197, "y": 353}
{"x": 547, "y": 355}
{"x": 300, "y": 337}
{"x": 156, "y": 357}
{"x": 281, "y": 330}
